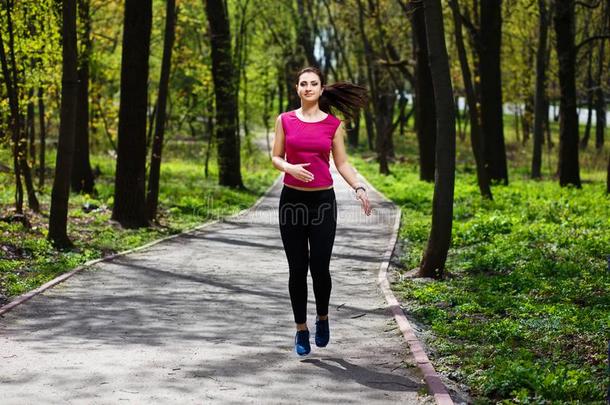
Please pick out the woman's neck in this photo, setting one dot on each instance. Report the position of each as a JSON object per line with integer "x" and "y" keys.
{"x": 310, "y": 110}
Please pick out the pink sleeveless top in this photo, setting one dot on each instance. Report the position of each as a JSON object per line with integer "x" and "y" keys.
{"x": 309, "y": 142}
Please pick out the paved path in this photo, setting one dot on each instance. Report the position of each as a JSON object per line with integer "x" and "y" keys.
{"x": 206, "y": 318}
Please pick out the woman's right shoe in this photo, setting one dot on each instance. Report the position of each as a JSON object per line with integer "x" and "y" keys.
{"x": 301, "y": 343}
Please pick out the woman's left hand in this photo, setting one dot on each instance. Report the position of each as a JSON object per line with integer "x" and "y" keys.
{"x": 364, "y": 201}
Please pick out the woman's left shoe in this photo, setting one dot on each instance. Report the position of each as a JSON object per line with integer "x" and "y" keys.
{"x": 322, "y": 332}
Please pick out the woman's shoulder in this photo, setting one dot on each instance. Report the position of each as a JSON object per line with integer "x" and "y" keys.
{"x": 334, "y": 121}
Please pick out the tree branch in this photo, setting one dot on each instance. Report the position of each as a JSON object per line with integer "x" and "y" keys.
{"x": 590, "y": 39}
{"x": 584, "y": 4}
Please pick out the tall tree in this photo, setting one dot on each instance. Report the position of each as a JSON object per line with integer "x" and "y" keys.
{"x": 435, "y": 255}
{"x": 425, "y": 113}
{"x": 541, "y": 111}
{"x": 60, "y": 194}
{"x": 129, "y": 191}
{"x": 569, "y": 172}
{"x": 476, "y": 137}
{"x": 225, "y": 87}
{"x": 43, "y": 138}
{"x": 152, "y": 196}
{"x": 82, "y": 175}
{"x": 381, "y": 99}
{"x": 608, "y": 177}
{"x": 304, "y": 36}
{"x": 600, "y": 100}
{"x": 14, "y": 113}
{"x": 490, "y": 38}
{"x": 11, "y": 80}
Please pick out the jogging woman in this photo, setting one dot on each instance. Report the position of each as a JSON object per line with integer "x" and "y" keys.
{"x": 304, "y": 139}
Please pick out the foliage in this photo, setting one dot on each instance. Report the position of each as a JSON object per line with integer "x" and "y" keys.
{"x": 524, "y": 314}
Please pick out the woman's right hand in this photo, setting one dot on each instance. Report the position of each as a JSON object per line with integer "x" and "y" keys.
{"x": 298, "y": 171}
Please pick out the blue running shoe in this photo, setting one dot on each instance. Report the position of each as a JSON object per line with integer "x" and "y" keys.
{"x": 301, "y": 343}
{"x": 322, "y": 333}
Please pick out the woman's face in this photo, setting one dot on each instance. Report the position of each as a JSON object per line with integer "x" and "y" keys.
{"x": 309, "y": 87}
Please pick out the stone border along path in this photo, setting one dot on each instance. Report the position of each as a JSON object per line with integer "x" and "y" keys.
{"x": 204, "y": 317}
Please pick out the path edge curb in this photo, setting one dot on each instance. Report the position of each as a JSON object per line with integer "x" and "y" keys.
{"x": 433, "y": 381}
{"x": 20, "y": 299}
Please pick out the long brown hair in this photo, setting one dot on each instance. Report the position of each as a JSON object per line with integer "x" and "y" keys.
{"x": 346, "y": 97}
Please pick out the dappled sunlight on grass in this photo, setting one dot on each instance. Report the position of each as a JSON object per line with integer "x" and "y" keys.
{"x": 524, "y": 312}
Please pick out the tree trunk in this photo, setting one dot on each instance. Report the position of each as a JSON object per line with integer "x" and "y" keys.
{"x": 280, "y": 93}
{"x": 435, "y": 255}
{"x": 58, "y": 218}
{"x": 82, "y": 175}
{"x": 353, "y": 130}
{"x": 210, "y": 130}
{"x": 152, "y": 197}
{"x": 129, "y": 191}
{"x": 584, "y": 141}
{"x": 608, "y": 177}
{"x": 227, "y": 136}
{"x": 370, "y": 127}
{"x": 383, "y": 127}
{"x": 425, "y": 115}
{"x": 491, "y": 89}
{"x": 368, "y": 116}
{"x": 547, "y": 124}
{"x": 378, "y": 98}
{"x": 291, "y": 68}
{"x": 600, "y": 100}
{"x": 43, "y": 141}
{"x": 10, "y": 80}
{"x": 527, "y": 118}
{"x": 476, "y": 137}
{"x": 569, "y": 172}
{"x": 304, "y": 37}
{"x": 541, "y": 111}
{"x": 31, "y": 130}
{"x": 266, "y": 116}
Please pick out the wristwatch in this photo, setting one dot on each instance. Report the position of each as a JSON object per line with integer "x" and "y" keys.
{"x": 358, "y": 188}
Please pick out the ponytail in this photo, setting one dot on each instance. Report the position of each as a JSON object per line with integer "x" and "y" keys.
{"x": 346, "y": 97}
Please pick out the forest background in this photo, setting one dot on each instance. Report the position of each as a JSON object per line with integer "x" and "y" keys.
{"x": 122, "y": 122}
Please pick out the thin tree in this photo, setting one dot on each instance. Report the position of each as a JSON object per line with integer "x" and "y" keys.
{"x": 43, "y": 138}
{"x": 600, "y": 100}
{"x": 152, "y": 196}
{"x": 225, "y": 87}
{"x": 381, "y": 99}
{"x": 82, "y": 175}
{"x": 304, "y": 36}
{"x": 608, "y": 177}
{"x": 569, "y": 173}
{"x": 540, "y": 104}
{"x": 31, "y": 129}
{"x": 425, "y": 113}
{"x": 60, "y": 194}
{"x": 435, "y": 255}
{"x": 491, "y": 89}
{"x": 476, "y": 136}
{"x": 14, "y": 120}
{"x": 129, "y": 191}
{"x": 19, "y": 139}
{"x": 487, "y": 39}
{"x": 589, "y": 104}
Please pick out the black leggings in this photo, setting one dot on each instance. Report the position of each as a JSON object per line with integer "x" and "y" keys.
{"x": 308, "y": 216}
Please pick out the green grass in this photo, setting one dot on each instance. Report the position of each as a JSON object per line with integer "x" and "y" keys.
{"x": 524, "y": 314}
{"x": 187, "y": 199}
